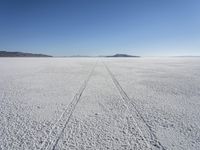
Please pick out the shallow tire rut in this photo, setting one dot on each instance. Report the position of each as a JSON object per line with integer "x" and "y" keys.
{"x": 143, "y": 127}
{"x": 101, "y": 119}
{"x": 57, "y": 130}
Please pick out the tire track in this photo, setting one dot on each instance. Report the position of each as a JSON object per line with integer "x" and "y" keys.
{"x": 149, "y": 136}
{"x": 58, "y": 128}
{"x": 131, "y": 127}
{"x": 101, "y": 120}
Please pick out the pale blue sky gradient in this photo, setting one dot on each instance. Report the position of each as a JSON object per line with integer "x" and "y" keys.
{"x": 101, "y": 27}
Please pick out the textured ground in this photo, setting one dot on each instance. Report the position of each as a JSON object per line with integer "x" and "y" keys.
{"x": 93, "y": 103}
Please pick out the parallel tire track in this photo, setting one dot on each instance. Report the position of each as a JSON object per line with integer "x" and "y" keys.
{"x": 149, "y": 138}
{"x": 57, "y": 130}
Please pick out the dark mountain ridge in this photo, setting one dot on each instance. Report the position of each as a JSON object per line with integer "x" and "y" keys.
{"x": 122, "y": 55}
{"x": 21, "y": 54}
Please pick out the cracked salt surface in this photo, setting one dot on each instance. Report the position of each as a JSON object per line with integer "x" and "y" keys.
{"x": 141, "y": 103}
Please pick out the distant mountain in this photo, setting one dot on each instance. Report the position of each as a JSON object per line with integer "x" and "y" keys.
{"x": 21, "y": 54}
{"x": 122, "y": 55}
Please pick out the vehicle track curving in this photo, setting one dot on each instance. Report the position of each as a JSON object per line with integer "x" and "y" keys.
{"x": 149, "y": 136}
{"x": 56, "y": 132}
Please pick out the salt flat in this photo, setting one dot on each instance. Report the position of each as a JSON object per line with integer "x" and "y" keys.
{"x": 100, "y": 103}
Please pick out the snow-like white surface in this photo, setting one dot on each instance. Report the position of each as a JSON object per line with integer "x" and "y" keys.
{"x": 99, "y": 103}
{"x": 34, "y": 93}
{"x": 167, "y": 94}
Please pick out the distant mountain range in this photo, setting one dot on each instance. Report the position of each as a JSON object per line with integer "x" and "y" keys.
{"x": 116, "y": 55}
{"x": 21, "y": 54}
{"x": 122, "y": 55}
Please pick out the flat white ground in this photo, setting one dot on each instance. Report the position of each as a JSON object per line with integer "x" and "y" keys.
{"x": 99, "y": 103}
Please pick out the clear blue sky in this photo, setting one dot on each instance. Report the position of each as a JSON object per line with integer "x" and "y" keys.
{"x": 101, "y": 27}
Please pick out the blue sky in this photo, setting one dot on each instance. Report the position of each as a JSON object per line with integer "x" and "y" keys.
{"x": 101, "y": 27}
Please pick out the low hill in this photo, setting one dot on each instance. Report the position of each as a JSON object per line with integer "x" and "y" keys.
{"x": 122, "y": 55}
{"x": 21, "y": 54}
